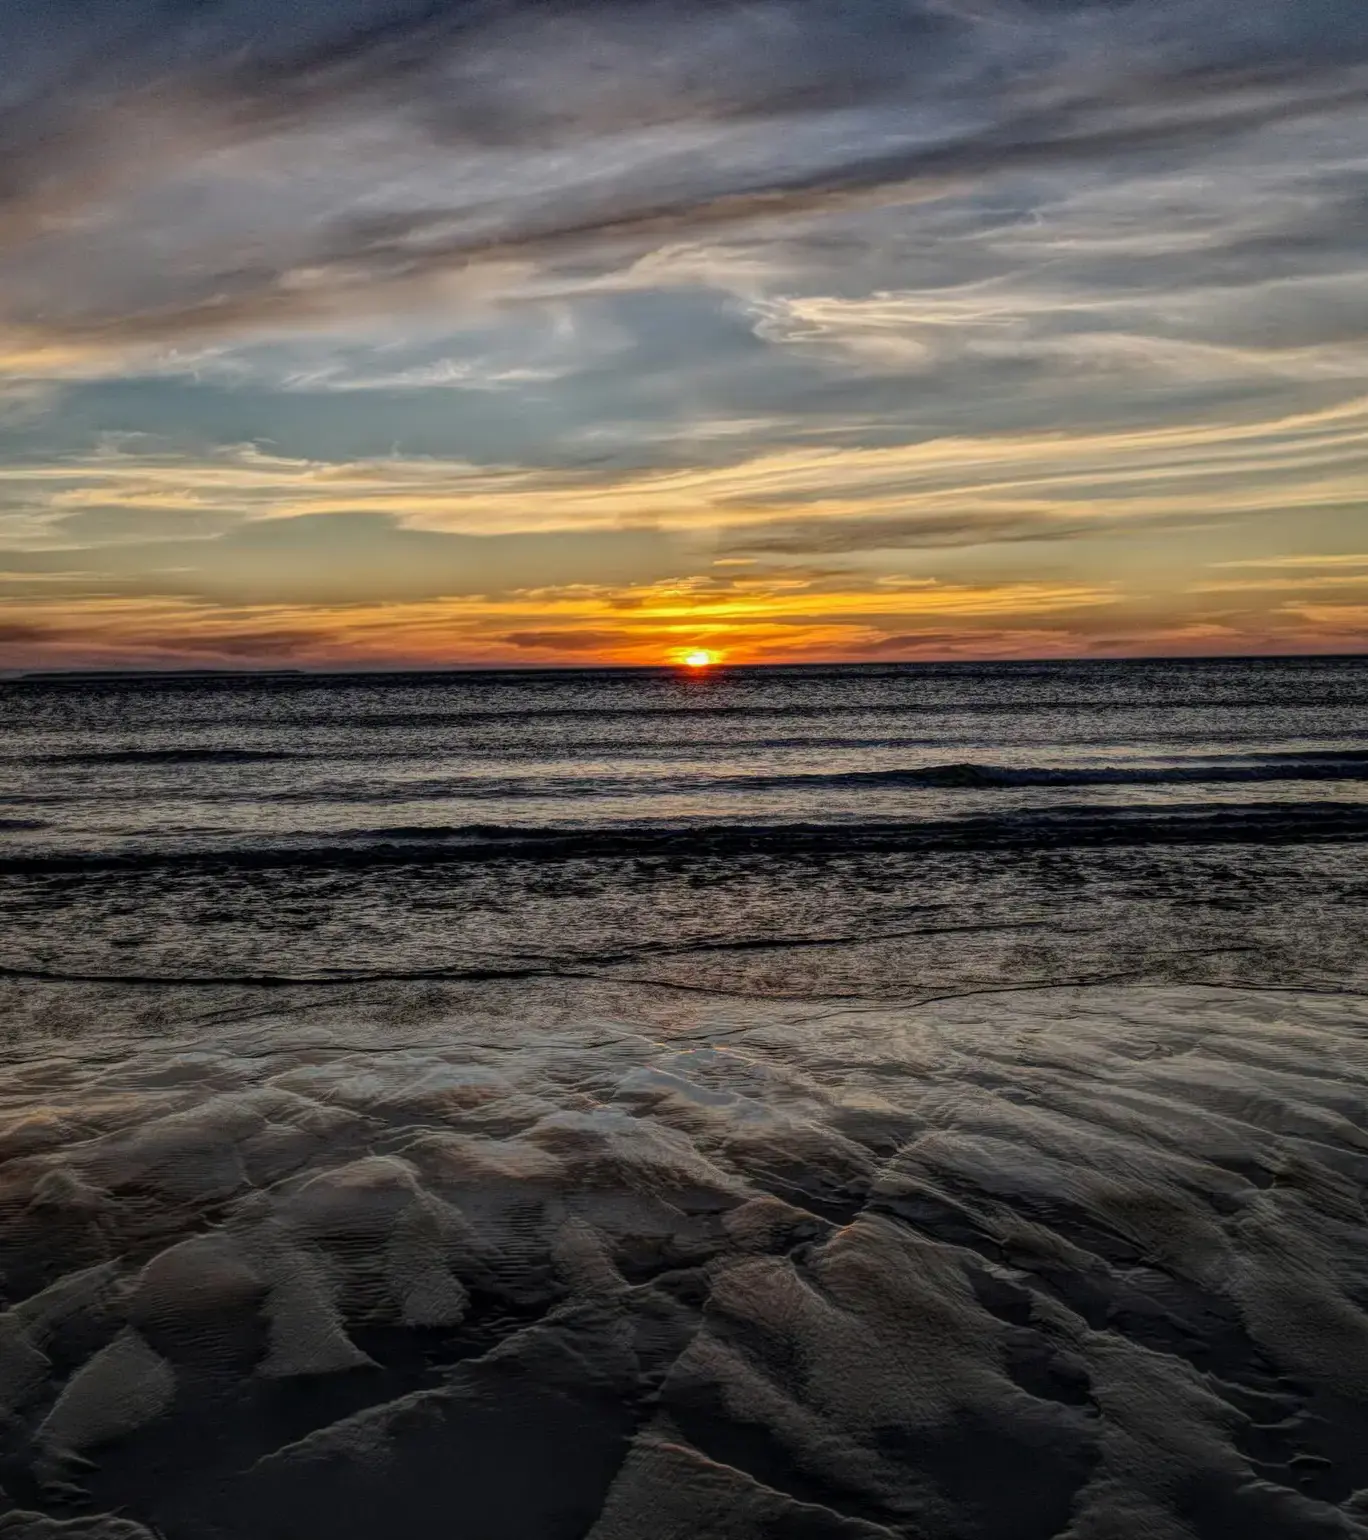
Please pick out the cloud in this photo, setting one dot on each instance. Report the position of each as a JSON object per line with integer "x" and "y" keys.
{"x": 564, "y": 641}
{"x": 413, "y": 329}
{"x": 768, "y": 620}
{"x": 201, "y": 172}
{"x": 340, "y": 558}
{"x": 798, "y": 499}
{"x": 851, "y": 533}
{"x": 254, "y": 644}
{"x": 1314, "y": 559}
{"x": 1018, "y": 642}
{"x": 1283, "y": 583}
{"x": 1307, "y": 329}
{"x": 12, "y": 631}
{"x": 1346, "y": 622}
{"x": 96, "y": 525}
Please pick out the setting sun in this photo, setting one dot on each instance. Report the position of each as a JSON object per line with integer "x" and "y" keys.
{"x": 700, "y": 658}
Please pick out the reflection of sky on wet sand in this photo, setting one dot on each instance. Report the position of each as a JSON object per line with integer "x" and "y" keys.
{"x": 743, "y": 1270}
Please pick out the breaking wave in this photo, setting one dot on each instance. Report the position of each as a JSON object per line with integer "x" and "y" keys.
{"x": 1065, "y": 828}
{"x": 1336, "y": 765}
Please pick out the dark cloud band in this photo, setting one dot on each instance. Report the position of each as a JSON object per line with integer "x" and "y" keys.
{"x": 529, "y": 129}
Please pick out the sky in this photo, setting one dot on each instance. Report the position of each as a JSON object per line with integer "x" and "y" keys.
{"x": 484, "y": 332}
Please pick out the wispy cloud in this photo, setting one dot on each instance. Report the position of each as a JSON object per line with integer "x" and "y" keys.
{"x": 281, "y": 174}
{"x": 1319, "y": 559}
{"x": 399, "y": 329}
{"x": 951, "y": 489}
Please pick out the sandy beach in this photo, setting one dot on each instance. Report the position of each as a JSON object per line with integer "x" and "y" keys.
{"x": 1083, "y": 1262}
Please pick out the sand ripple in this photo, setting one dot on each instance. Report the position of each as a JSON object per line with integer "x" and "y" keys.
{"x": 1068, "y": 1263}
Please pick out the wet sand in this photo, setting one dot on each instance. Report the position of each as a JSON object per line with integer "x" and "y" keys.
{"x": 1025, "y": 1264}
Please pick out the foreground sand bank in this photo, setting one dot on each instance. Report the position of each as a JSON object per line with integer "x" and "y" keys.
{"x": 1083, "y": 1262}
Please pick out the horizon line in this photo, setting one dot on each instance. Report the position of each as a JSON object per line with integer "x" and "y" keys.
{"x": 323, "y": 671}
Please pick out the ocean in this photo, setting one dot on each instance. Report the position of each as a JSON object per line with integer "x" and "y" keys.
{"x": 887, "y": 829}
{"x": 824, "y": 1102}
